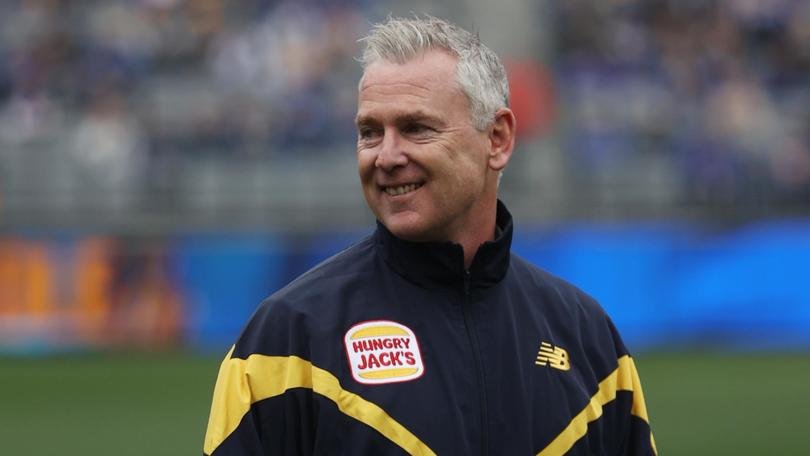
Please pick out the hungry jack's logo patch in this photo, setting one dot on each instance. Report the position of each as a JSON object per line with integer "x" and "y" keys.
{"x": 383, "y": 351}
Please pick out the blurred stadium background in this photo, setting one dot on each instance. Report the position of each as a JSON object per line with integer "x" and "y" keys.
{"x": 165, "y": 164}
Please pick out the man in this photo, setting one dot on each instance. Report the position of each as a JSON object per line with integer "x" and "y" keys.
{"x": 429, "y": 337}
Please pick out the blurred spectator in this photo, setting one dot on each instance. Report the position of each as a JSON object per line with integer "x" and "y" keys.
{"x": 293, "y": 60}
{"x": 108, "y": 148}
{"x": 720, "y": 85}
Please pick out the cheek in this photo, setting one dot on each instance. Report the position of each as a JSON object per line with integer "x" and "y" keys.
{"x": 466, "y": 159}
{"x": 466, "y": 172}
{"x": 365, "y": 164}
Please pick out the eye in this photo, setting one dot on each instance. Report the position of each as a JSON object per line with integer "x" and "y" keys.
{"x": 367, "y": 133}
{"x": 416, "y": 129}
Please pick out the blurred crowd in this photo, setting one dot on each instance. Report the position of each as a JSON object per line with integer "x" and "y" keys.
{"x": 178, "y": 74}
{"x": 722, "y": 88}
{"x": 118, "y": 90}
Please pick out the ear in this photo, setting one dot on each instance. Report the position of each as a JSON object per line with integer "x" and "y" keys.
{"x": 501, "y": 139}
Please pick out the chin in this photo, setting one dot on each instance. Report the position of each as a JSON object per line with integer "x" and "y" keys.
{"x": 406, "y": 226}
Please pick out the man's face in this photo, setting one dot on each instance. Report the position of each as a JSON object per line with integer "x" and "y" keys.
{"x": 422, "y": 164}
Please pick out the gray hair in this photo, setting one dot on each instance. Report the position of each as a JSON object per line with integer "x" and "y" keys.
{"x": 479, "y": 73}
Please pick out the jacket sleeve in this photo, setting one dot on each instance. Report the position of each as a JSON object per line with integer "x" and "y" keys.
{"x": 637, "y": 436}
{"x": 615, "y": 421}
{"x": 632, "y": 421}
{"x": 263, "y": 401}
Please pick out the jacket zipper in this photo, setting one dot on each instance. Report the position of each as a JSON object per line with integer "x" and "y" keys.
{"x": 479, "y": 368}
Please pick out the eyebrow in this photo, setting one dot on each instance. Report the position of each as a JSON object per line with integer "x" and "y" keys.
{"x": 364, "y": 120}
{"x": 416, "y": 116}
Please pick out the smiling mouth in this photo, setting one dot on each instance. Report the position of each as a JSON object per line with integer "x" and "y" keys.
{"x": 401, "y": 190}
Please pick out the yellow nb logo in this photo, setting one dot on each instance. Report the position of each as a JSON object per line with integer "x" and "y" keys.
{"x": 555, "y": 357}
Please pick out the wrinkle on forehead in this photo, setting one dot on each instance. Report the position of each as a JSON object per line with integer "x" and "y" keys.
{"x": 433, "y": 65}
{"x": 393, "y": 86}
{"x": 400, "y": 90}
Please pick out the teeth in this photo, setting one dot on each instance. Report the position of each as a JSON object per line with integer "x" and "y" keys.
{"x": 394, "y": 191}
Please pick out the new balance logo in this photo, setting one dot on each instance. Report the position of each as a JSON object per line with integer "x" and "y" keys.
{"x": 555, "y": 357}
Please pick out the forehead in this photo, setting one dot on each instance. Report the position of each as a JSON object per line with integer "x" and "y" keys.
{"x": 430, "y": 67}
{"x": 426, "y": 82}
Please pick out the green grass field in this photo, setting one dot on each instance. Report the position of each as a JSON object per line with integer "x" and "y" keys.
{"x": 157, "y": 404}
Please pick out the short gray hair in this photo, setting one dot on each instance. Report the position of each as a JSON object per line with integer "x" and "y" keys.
{"x": 480, "y": 73}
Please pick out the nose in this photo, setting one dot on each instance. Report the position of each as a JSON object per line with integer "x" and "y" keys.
{"x": 391, "y": 154}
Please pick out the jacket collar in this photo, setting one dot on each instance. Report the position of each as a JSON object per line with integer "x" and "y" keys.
{"x": 441, "y": 264}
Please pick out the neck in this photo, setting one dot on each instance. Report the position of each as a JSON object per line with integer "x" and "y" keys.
{"x": 480, "y": 232}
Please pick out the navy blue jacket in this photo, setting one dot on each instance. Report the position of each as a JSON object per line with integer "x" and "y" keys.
{"x": 392, "y": 347}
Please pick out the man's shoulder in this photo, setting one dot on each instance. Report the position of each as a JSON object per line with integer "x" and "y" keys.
{"x": 331, "y": 274}
{"x": 284, "y": 320}
{"x": 578, "y": 318}
{"x": 553, "y": 288}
